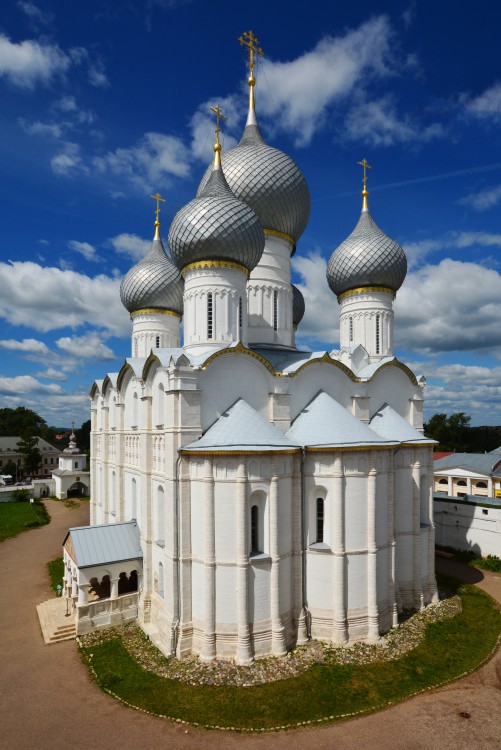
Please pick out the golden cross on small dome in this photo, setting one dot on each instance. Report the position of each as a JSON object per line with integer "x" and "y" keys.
{"x": 158, "y": 198}
{"x": 217, "y": 148}
{"x": 252, "y": 43}
{"x": 365, "y": 194}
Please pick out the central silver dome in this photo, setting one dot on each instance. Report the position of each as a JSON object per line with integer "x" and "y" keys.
{"x": 268, "y": 180}
{"x": 368, "y": 257}
{"x": 153, "y": 282}
{"x": 216, "y": 226}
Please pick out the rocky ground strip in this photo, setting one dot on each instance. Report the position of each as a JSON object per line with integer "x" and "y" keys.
{"x": 191, "y": 670}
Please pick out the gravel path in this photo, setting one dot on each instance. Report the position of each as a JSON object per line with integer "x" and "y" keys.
{"x": 47, "y": 700}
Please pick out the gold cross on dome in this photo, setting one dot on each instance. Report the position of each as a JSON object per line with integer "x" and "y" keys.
{"x": 366, "y": 166}
{"x": 219, "y": 114}
{"x": 158, "y": 198}
{"x": 252, "y": 43}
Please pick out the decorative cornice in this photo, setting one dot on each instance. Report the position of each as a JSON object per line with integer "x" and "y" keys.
{"x": 350, "y": 448}
{"x": 367, "y": 290}
{"x": 154, "y": 311}
{"x": 250, "y": 452}
{"x": 401, "y": 366}
{"x": 241, "y": 349}
{"x": 283, "y": 235}
{"x": 328, "y": 360}
{"x": 199, "y": 264}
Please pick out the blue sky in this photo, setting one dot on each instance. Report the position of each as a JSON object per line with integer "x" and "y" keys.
{"x": 106, "y": 102}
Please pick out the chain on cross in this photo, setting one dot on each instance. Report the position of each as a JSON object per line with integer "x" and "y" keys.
{"x": 252, "y": 43}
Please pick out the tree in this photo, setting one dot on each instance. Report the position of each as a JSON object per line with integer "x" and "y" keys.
{"x": 9, "y": 468}
{"x": 28, "y": 448}
{"x": 83, "y": 436}
{"x": 452, "y": 433}
{"x": 21, "y": 420}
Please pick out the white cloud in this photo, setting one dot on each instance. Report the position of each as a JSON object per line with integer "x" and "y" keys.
{"x": 483, "y": 199}
{"x": 68, "y": 160}
{"x": 48, "y": 298}
{"x": 51, "y": 374}
{"x": 29, "y": 62}
{"x": 26, "y": 384}
{"x": 202, "y": 126}
{"x": 27, "y": 346}
{"x": 47, "y": 129}
{"x": 150, "y": 163}
{"x": 417, "y": 251}
{"x": 97, "y": 76}
{"x": 85, "y": 249}
{"x": 453, "y": 306}
{"x": 327, "y": 74}
{"x": 130, "y": 245}
{"x": 377, "y": 123}
{"x": 487, "y": 104}
{"x": 87, "y": 347}
{"x": 34, "y": 13}
{"x": 317, "y": 324}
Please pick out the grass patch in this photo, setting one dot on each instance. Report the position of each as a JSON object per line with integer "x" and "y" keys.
{"x": 20, "y": 516}
{"x": 324, "y": 692}
{"x": 56, "y": 572}
{"x": 491, "y": 562}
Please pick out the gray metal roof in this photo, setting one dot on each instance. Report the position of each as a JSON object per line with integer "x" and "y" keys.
{"x": 242, "y": 428}
{"x": 324, "y": 422}
{"x": 9, "y": 444}
{"x": 99, "y": 545}
{"x": 216, "y": 225}
{"x": 389, "y": 424}
{"x": 153, "y": 282}
{"x": 368, "y": 257}
{"x": 268, "y": 180}
{"x": 485, "y": 463}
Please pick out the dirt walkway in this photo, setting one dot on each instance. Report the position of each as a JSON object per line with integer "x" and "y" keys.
{"x": 48, "y": 702}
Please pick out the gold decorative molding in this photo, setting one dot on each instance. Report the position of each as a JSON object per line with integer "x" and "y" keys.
{"x": 199, "y": 264}
{"x": 230, "y": 452}
{"x": 349, "y": 448}
{"x": 283, "y": 235}
{"x": 154, "y": 311}
{"x": 241, "y": 349}
{"x": 327, "y": 359}
{"x": 367, "y": 290}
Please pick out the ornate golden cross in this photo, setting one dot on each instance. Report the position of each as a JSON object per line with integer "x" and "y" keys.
{"x": 251, "y": 42}
{"x": 366, "y": 166}
{"x": 217, "y": 111}
{"x": 158, "y": 198}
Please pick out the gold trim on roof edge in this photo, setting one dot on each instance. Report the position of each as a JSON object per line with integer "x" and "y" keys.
{"x": 327, "y": 359}
{"x": 241, "y": 349}
{"x": 230, "y": 452}
{"x": 283, "y": 235}
{"x": 214, "y": 264}
{"x": 365, "y": 290}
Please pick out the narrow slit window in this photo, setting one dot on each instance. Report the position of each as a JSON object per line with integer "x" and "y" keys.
{"x": 275, "y": 310}
{"x": 254, "y": 530}
{"x": 320, "y": 520}
{"x": 209, "y": 315}
{"x": 351, "y": 329}
{"x": 378, "y": 334}
{"x": 240, "y": 314}
{"x": 157, "y": 342}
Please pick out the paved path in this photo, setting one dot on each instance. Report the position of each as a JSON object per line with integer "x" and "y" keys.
{"x": 48, "y": 702}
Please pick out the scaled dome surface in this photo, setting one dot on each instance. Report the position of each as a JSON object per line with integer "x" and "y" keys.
{"x": 216, "y": 226}
{"x": 268, "y": 180}
{"x": 298, "y": 306}
{"x": 368, "y": 257}
{"x": 154, "y": 282}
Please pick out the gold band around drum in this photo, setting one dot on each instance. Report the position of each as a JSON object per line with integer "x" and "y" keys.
{"x": 276, "y": 233}
{"x": 366, "y": 290}
{"x": 214, "y": 264}
{"x": 155, "y": 311}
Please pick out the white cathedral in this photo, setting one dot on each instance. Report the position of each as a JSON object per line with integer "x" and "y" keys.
{"x": 277, "y": 495}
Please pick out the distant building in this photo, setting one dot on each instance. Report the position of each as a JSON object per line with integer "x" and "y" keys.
{"x": 467, "y": 502}
{"x": 71, "y": 477}
{"x": 9, "y": 452}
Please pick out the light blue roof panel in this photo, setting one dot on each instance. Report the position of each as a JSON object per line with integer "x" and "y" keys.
{"x": 389, "y": 424}
{"x": 484, "y": 463}
{"x": 99, "y": 545}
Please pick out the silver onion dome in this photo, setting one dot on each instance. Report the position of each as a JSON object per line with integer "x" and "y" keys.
{"x": 297, "y": 306}
{"x": 216, "y": 226}
{"x": 368, "y": 257}
{"x": 154, "y": 282}
{"x": 268, "y": 180}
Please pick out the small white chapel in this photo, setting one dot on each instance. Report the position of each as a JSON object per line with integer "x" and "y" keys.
{"x": 256, "y": 495}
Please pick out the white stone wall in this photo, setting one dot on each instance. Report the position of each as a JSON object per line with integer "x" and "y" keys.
{"x": 359, "y": 314}
{"x": 151, "y": 330}
{"x": 468, "y": 526}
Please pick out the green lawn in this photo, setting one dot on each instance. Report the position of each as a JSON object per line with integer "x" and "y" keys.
{"x": 18, "y": 517}
{"x": 323, "y": 693}
{"x": 56, "y": 572}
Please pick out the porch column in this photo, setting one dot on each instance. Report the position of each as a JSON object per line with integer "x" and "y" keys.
{"x": 449, "y": 486}
{"x": 277, "y": 628}
{"x": 74, "y": 587}
{"x": 209, "y": 638}
{"x": 340, "y": 634}
{"x": 244, "y": 654}
{"x": 372, "y": 609}
{"x": 416, "y": 530}
{"x": 83, "y": 594}
{"x": 113, "y": 588}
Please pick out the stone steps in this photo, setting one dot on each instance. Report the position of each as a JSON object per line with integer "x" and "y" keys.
{"x": 63, "y": 633}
